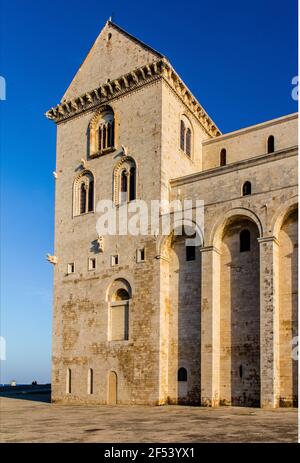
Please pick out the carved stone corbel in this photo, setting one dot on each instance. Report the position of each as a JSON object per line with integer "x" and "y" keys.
{"x": 117, "y": 85}
{"x": 52, "y": 259}
{"x": 100, "y": 242}
{"x": 125, "y": 82}
{"x": 89, "y": 97}
{"x": 74, "y": 105}
{"x": 103, "y": 90}
{"x": 134, "y": 77}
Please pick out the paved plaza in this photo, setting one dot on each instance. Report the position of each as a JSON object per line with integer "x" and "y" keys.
{"x": 37, "y": 420}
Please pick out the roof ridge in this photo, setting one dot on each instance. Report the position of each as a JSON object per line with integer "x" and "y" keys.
{"x": 134, "y": 39}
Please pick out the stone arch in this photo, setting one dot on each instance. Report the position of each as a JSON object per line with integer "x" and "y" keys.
{"x": 217, "y": 230}
{"x": 180, "y": 305}
{"x": 128, "y": 166}
{"x": 239, "y": 284}
{"x": 86, "y": 179}
{"x": 164, "y": 240}
{"x": 279, "y": 217}
{"x": 286, "y": 233}
{"x": 116, "y": 284}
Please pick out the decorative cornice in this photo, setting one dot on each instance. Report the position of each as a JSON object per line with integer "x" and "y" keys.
{"x": 129, "y": 82}
{"x": 175, "y": 82}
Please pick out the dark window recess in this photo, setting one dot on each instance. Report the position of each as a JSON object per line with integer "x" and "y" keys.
{"x": 132, "y": 184}
{"x": 82, "y": 198}
{"x": 190, "y": 253}
{"x": 244, "y": 240}
{"x": 91, "y": 197}
{"x": 223, "y": 157}
{"x": 123, "y": 182}
{"x": 182, "y": 374}
{"x": 182, "y": 135}
{"x": 188, "y": 142}
{"x": 241, "y": 371}
{"x": 271, "y": 144}
{"x": 247, "y": 189}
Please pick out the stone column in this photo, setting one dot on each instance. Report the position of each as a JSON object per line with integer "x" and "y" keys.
{"x": 269, "y": 322}
{"x": 210, "y": 326}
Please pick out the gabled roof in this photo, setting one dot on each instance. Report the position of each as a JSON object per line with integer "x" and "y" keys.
{"x": 134, "y": 39}
{"x": 118, "y": 63}
{"x": 107, "y": 60}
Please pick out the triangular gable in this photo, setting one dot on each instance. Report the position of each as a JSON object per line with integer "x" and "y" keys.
{"x": 114, "y": 53}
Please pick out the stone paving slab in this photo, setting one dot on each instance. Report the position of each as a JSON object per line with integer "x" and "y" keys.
{"x": 24, "y": 420}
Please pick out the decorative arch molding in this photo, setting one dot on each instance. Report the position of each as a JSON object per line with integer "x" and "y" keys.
{"x": 126, "y": 165}
{"x": 278, "y": 219}
{"x": 101, "y": 131}
{"x": 86, "y": 178}
{"x": 219, "y": 226}
{"x": 98, "y": 114}
{"x": 164, "y": 241}
{"x": 118, "y": 283}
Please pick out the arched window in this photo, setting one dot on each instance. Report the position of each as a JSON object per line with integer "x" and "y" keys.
{"x": 83, "y": 193}
{"x": 124, "y": 187}
{"x": 125, "y": 181}
{"x": 188, "y": 142}
{"x": 132, "y": 184}
{"x": 82, "y": 198}
{"x": 245, "y": 240}
{"x": 182, "y": 374}
{"x": 91, "y": 196}
{"x": 185, "y": 136}
{"x": 68, "y": 381}
{"x": 223, "y": 157}
{"x": 271, "y": 144}
{"x": 182, "y": 135}
{"x": 102, "y": 132}
{"x": 247, "y": 189}
{"x": 119, "y": 296}
{"x": 90, "y": 381}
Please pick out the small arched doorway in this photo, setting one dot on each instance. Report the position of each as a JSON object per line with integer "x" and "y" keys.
{"x": 112, "y": 388}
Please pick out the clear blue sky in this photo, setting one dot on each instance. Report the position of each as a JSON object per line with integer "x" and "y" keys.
{"x": 237, "y": 57}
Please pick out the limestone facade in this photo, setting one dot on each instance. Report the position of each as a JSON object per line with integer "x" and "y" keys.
{"x": 137, "y": 320}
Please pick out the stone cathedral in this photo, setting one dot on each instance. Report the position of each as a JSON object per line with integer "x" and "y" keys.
{"x": 147, "y": 319}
